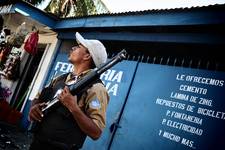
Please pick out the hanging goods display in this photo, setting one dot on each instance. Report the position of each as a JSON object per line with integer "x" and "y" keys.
{"x": 31, "y": 43}
{"x": 18, "y": 37}
{"x": 12, "y": 67}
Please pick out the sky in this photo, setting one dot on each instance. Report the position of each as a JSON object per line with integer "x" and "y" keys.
{"x": 136, "y": 5}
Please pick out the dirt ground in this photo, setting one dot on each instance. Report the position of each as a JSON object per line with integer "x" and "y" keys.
{"x": 13, "y": 138}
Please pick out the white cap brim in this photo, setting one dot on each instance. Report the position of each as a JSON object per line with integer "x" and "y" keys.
{"x": 96, "y": 49}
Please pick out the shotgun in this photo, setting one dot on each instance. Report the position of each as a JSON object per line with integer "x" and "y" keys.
{"x": 84, "y": 83}
{"x": 89, "y": 79}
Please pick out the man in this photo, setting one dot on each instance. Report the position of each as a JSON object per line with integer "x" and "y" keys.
{"x": 67, "y": 126}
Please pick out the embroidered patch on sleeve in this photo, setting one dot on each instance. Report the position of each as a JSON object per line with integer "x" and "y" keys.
{"x": 95, "y": 104}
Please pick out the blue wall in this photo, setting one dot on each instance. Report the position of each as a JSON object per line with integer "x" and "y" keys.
{"x": 167, "y": 107}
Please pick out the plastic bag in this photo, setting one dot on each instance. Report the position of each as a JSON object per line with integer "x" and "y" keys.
{"x": 31, "y": 43}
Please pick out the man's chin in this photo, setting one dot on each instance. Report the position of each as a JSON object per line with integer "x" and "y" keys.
{"x": 69, "y": 59}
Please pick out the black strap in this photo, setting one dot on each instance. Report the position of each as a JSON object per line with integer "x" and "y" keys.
{"x": 47, "y": 93}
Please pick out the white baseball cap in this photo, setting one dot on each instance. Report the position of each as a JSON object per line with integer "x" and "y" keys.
{"x": 96, "y": 49}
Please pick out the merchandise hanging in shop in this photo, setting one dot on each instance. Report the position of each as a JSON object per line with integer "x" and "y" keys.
{"x": 18, "y": 37}
{"x": 31, "y": 43}
{"x": 12, "y": 68}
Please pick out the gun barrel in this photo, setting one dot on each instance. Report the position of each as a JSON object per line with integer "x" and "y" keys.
{"x": 119, "y": 57}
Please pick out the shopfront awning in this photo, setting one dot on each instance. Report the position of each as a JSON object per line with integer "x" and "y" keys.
{"x": 27, "y": 10}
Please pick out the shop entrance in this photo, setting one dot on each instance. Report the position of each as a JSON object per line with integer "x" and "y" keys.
{"x": 13, "y": 44}
{"x": 26, "y": 77}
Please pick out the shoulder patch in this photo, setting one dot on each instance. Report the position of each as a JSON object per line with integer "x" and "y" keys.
{"x": 95, "y": 104}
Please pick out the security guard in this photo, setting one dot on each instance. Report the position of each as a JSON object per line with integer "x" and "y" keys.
{"x": 78, "y": 116}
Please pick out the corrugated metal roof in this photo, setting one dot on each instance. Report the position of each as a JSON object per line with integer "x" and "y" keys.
{"x": 173, "y": 9}
{"x": 128, "y": 13}
{"x": 213, "y": 14}
{"x": 215, "y": 6}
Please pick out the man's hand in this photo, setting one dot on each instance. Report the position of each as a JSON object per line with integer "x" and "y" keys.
{"x": 84, "y": 122}
{"x": 35, "y": 113}
{"x": 68, "y": 100}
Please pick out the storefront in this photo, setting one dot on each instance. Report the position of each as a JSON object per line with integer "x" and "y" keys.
{"x": 169, "y": 92}
{"x": 25, "y": 45}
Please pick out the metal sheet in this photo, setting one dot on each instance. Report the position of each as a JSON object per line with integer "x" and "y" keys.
{"x": 155, "y": 118}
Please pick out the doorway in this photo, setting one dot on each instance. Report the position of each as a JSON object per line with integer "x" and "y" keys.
{"x": 26, "y": 77}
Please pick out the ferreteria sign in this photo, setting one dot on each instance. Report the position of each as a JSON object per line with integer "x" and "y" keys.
{"x": 111, "y": 78}
{"x": 5, "y": 9}
{"x": 173, "y": 108}
{"x": 194, "y": 99}
{"x": 191, "y": 108}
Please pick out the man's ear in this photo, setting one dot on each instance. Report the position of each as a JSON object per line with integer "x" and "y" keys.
{"x": 87, "y": 57}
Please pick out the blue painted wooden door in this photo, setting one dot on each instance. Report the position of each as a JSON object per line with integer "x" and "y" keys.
{"x": 117, "y": 80}
{"x": 173, "y": 108}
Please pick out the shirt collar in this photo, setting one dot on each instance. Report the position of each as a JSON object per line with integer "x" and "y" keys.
{"x": 72, "y": 76}
{"x": 82, "y": 74}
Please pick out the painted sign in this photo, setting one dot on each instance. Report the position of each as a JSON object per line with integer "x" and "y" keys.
{"x": 112, "y": 78}
{"x": 173, "y": 108}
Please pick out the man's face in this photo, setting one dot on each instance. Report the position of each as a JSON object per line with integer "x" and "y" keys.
{"x": 78, "y": 54}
